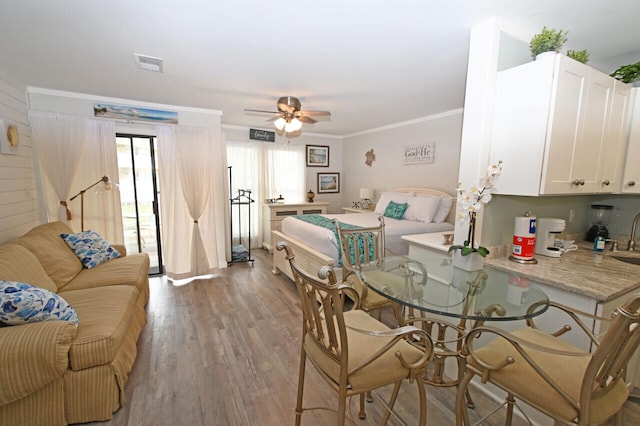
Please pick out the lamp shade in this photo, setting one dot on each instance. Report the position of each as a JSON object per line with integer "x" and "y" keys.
{"x": 366, "y": 193}
{"x": 280, "y": 123}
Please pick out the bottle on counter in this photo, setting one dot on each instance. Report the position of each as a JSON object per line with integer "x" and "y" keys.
{"x": 598, "y": 244}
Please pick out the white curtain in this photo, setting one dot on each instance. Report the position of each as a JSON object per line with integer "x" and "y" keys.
{"x": 244, "y": 158}
{"x": 269, "y": 170}
{"x": 59, "y": 141}
{"x": 193, "y": 200}
{"x": 102, "y": 206}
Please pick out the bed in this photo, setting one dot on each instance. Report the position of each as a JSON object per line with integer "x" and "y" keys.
{"x": 428, "y": 211}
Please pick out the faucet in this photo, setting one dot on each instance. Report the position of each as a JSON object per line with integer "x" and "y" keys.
{"x": 632, "y": 240}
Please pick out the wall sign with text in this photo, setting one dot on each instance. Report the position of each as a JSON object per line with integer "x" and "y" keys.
{"x": 262, "y": 135}
{"x": 419, "y": 154}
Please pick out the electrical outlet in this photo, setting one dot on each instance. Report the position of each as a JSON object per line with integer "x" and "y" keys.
{"x": 572, "y": 215}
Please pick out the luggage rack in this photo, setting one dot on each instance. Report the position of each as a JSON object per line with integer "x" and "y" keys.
{"x": 240, "y": 252}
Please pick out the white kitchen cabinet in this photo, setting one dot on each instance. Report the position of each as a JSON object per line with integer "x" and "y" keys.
{"x": 273, "y": 214}
{"x": 552, "y": 123}
{"x": 615, "y": 146}
{"x": 631, "y": 178}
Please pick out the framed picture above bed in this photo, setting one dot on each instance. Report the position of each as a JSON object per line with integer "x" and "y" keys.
{"x": 328, "y": 183}
{"x": 317, "y": 156}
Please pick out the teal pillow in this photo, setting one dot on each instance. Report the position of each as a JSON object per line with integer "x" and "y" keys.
{"x": 395, "y": 210}
{"x": 22, "y": 303}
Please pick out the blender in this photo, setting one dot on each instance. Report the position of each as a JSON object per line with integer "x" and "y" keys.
{"x": 600, "y": 218}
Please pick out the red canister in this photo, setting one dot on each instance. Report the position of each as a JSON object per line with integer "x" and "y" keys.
{"x": 524, "y": 238}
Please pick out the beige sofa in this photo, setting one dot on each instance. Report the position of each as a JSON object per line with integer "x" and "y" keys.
{"x": 52, "y": 372}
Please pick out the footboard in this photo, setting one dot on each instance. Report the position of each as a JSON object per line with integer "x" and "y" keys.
{"x": 306, "y": 257}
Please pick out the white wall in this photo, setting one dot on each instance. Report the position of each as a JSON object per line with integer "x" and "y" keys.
{"x": 18, "y": 195}
{"x": 388, "y": 171}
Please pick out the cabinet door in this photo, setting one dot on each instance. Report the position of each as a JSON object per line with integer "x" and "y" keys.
{"x": 631, "y": 179}
{"x": 613, "y": 150}
{"x": 566, "y": 159}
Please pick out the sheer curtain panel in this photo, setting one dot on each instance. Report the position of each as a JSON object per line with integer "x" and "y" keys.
{"x": 193, "y": 200}
{"x": 59, "y": 141}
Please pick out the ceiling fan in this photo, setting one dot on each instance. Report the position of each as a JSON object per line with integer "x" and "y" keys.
{"x": 289, "y": 117}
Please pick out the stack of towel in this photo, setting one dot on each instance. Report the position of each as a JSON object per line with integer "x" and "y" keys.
{"x": 565, "y": 245}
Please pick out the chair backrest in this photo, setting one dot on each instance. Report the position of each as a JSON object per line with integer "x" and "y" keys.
{"x": 360, "y": 245}
{"x": 614, "y": 351}
{"x": 322, "y": 309}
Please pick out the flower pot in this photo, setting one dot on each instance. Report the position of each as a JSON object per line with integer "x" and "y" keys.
{"x": 471, "y": 262}
{"x": 544, "y": 55}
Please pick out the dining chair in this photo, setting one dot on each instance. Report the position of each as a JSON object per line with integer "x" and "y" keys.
{"x": 570, "y": 385}
{"x": 359, "y": 246}
{"x": 353, "y": 352}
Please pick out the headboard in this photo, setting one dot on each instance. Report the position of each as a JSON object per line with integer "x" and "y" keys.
{"x": 451, "y": 217}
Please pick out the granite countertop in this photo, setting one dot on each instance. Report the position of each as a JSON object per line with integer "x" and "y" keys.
{"x": 581, "y": 271}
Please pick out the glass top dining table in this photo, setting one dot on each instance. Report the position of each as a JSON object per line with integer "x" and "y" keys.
{"x": 433, "y": 285}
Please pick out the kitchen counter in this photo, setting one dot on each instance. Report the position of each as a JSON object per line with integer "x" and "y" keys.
{"x": 582, "y": 271}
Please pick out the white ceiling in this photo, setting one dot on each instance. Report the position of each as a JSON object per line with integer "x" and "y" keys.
{"x": 370, "y": 62}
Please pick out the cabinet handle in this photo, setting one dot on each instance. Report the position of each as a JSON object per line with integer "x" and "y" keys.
{"x": 578, "y": 182}
{"x": 606, "y": 183}
{"x": 631, "y": 183}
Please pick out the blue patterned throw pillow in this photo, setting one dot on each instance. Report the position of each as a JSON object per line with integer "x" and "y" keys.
{"x": 395, "y": 210}
{"x": 90, "y": 248}
{"x": 23, "y": 303}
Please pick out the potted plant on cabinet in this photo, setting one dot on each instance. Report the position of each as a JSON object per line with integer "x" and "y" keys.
{"x": 627, "y": 73}
{"x": 549, "y": 40}
{"x": 470, "y": 256}
{"x": 579, "y": 55}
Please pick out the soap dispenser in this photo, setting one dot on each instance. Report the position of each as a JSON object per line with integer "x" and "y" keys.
{"x": 598, "y": 244}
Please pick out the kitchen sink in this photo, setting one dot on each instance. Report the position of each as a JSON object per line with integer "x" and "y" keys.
{"x": 633, "y": 260}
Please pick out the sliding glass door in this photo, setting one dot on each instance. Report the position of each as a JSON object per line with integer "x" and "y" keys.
{"x": 139, "y": 194}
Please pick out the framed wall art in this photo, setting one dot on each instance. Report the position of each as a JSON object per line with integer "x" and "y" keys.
{"x": 317, "y": 156}
{"x": 328, "y": 183}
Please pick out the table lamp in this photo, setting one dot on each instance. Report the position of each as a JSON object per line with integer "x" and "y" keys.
{"x": 366, "y": 195}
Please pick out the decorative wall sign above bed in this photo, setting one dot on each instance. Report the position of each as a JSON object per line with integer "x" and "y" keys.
{"x": 419, "y": 154}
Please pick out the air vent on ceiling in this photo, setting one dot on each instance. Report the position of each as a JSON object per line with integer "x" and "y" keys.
{"x": 148, "y": 63}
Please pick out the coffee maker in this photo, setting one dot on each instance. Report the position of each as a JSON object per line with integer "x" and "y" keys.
{"x": 600, "y": 218}
{"x": 545, "y": 236}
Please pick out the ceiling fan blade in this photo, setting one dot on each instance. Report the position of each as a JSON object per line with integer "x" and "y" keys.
{"x": 306, "y": 119}
{"x": 313, "y": 113}
{"x": 260, "y": 111}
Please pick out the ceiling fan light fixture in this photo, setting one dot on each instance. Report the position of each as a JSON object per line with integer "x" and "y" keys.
{"x": 293, "y": 126}
{"x": 280, "y": 123}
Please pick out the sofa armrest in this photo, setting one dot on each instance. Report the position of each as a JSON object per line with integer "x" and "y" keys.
{"x": 121, "y": 249}
{"x": 32, "y": 356}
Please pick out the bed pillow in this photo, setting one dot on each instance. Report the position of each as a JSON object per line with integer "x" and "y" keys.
{"x": 395, "y": 210}
{"x": 422, "y": 208}
{"x": 385, "y": 197}
{"x": 22, "y": 303}
{"x": 90, "y": 247}
{"x": 443, "y": 209}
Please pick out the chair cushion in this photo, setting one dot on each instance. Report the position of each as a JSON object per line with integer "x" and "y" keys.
{"x": 384, "y": 370}
{"x": 567, "y": 371}
{"x": 105, "y": 315}
{"x": 19, "y": 264}
{"x": 53, "y": 254}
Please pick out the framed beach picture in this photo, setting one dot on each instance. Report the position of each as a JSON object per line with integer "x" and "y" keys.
{"x": 317, "y": 156}
{"x": 328, "y": 183}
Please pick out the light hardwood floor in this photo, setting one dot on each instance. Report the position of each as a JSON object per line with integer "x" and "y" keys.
{"x": 225, "y": 351}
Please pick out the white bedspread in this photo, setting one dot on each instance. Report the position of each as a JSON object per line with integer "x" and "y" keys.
{"x": 324, "y": 240}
